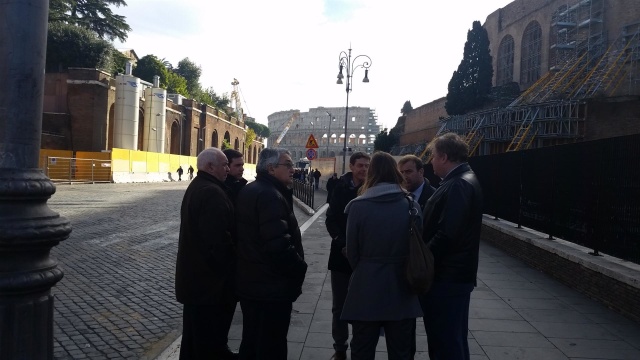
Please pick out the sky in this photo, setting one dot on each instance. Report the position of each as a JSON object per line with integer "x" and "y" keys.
{"x": 285, "y": 53}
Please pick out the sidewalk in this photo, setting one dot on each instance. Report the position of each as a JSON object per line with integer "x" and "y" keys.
{"x": 516, "y": 312}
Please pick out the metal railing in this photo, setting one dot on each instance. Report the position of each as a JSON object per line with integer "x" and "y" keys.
{"x": 587, "y": 193}
{"x": 303, "y": 191}
{"x": 76, "y": 170}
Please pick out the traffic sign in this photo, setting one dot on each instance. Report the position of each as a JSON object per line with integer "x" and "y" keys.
{"x": 312, "y": 154}
{"x": 311, "y": 142}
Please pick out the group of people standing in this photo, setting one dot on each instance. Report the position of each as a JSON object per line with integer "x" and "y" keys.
{"x": 368, "y": 221}
{"x": 238, "y": 242}
{"x": 241, "y": 242}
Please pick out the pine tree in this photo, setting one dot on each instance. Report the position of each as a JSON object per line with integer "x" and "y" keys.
{"x": 470, "y": 85}
{"x": 94, "y": 15}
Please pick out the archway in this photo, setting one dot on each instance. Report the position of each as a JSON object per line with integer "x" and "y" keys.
{"x": 227, "y": 139}
{"x": 236, "y": 144}
{"x": 214, "y": 138}
{"x": 175, "y": 138}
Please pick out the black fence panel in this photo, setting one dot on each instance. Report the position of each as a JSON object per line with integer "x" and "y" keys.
{"x": 536, "y": 197}
{"x": 303, "y": 191}
{"x": 617, "y": 226}
{"x": 587, "y": 193}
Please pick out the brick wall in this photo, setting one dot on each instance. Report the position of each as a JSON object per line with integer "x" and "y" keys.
{"x": 422, "y": 123}
{"x": 611, "y": 292}
{"x": 612, "y": 117}
{"x": 55, "y": 131}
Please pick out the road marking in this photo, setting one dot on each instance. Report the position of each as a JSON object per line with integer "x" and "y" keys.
{"x": 315, "y": 216}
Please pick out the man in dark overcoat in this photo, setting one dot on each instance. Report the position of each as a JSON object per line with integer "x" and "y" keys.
{"x": 271, "y": 266}
{"x": 206, "y": 261}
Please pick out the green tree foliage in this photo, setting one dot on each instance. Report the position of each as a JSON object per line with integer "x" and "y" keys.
{"x": 148, "y": 66}
{"x": 470, "y": 84}
{"x": 406, "y": 108}
{"x": 210, "y": 97}
{"x": 261, "y": 130}
{"x": 251, "y": 135}
{"x": 94, "y": 15}
{"x": 385, "y": 140}
{"x": 190, "y": 71}
{"x": 73, "y": 46}
{"x": 176, "y": 84}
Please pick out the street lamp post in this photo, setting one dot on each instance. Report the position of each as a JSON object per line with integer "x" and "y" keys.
{"x": 29, "y": 229}
{"x": 350, "y": 65}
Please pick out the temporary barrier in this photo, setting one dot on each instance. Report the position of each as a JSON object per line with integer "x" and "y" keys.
{"x": 71, "y": 170}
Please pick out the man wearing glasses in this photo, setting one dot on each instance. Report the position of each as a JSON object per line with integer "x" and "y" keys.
{"x": 271, "y": 266}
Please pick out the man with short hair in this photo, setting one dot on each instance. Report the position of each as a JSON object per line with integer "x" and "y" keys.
{"x": 452, "y": 223}
{"x": 412, "y": 170}
{"x": 206, "y": 262}
{"x": 235, "y": 182}
{"x": 346, "y": 189}
{"x": 271, "y": 266}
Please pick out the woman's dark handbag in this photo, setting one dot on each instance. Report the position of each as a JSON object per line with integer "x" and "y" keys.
{"x": 419, "y": 266}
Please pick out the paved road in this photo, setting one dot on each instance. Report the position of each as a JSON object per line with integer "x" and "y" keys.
{"x": 116, "y": 300}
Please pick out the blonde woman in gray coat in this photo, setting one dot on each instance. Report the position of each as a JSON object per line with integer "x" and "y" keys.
{"x": 377, "y": 247}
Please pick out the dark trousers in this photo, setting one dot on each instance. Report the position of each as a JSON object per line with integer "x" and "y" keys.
{"x": 339, "y": 328}
{"x": 264, "y": 330}
{"x": 446, "y": 320}
{"x": 397, "y": 334}
{"x": 205, "y": 330}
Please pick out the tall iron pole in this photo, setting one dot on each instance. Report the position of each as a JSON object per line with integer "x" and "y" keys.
{"x": 28, "y": 228}
{"x": 345, "y": 63}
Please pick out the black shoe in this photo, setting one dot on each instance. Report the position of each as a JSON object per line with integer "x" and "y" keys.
{"x": 339, "y": 355}
{"x": 227, "y": 354}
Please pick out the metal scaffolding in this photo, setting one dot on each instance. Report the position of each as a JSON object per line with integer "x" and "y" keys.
{"x": 582, "y": 66}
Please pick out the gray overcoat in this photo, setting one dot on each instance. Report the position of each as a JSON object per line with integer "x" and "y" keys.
{"x": 377, "y": 247}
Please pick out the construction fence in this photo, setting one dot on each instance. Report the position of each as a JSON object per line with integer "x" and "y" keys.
{"x": 587, "y": 193}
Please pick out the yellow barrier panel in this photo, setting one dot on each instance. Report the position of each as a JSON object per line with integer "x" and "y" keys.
{"x": 164, "y": 163}
{"x": 120, "y": 160}
{"x": 138, "y": 161}
{"x": 152, "y": 162}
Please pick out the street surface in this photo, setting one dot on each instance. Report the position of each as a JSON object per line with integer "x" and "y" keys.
{"x": 116, "y": 299}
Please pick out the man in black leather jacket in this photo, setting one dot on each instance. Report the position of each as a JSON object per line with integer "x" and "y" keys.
{"x": 271, "y": 266}
{"x": 452, "y": 223}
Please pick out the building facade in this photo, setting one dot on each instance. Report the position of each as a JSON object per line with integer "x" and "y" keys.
{"x": 576, "y": 65}
{"x": 80, "y": 115}
{"x": 327, "y": 125}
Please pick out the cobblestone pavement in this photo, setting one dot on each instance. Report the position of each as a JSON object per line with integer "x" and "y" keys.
{"x": 116, "y": 300}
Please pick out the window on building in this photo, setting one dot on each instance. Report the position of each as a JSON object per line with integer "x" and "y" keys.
{"x": 504, "y": 73}
{"x": 531, "y": 54}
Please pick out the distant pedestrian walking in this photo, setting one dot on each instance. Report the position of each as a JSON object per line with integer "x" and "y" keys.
{"x": 190, "y": 171}
{"x": 316, "y": 177}
{"x": 180, "y": 171}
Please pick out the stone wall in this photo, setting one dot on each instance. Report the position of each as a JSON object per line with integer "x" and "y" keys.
{"x": 422, "y": 123}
